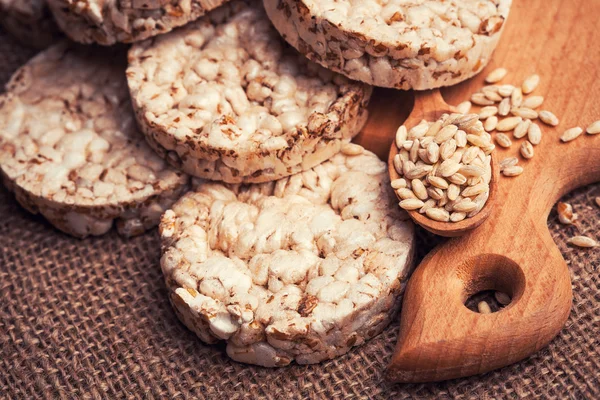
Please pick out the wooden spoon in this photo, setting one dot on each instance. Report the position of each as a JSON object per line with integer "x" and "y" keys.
{"x": 430, "y": 105}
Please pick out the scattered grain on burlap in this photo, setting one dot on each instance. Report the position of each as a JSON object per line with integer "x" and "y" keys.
{"x": 91, "y": 319}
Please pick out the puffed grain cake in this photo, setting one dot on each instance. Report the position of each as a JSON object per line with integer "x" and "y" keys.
{"x": 70, "y": 148}
{"x": 403, "y": 44}
{"x": 301, "y": 269}
{"x": 107, "y": 22}
{"x": 29, "y": 21}
{"x": 224, "y": 98}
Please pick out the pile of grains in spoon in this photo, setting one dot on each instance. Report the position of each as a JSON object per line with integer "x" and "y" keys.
{"x": 444, "y": 167}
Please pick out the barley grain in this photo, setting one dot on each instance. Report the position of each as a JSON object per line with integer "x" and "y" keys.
{"x": 491, "y": 123}
{"x": 533, "y": 102}
{"x": 411, "y": 204}
{"x": 487, "y": 112}
{"x": 448, "y": 149}
{"x": 433, "y": 152}
{"x": 425, "y": 141}
{"x": 481, "y": 100}
{"x": 437, "y": 182}
{"x": 503, "y": 140}
{"x": 508, "y": 162}
{"x": 565, "y": 213}
{"x": 465, "y": 205}
{"x": 453, "y": 192}
{"x": 401, "y": 136}
{"x": 428, "y": 204}
{"x": 496, "y": 75}
{"x": 597, "y": 200}
{"x": 504, "y": 107}
{"x": 471, "y": 171}
{"x": 405, "y": 193}
{"x": 407, "y": 166}
{"x": 414, "y": 151}
{"x": 445, "y": 133}
{"x": 582, "y": 241}
{"x": 458, "y": 179}
{"x": 399, "y": 183}
{"x": 438, "y": 214}
{"x": 477, "y": 140}
{"x": 484, "y": 308}
{"x": 522, "y": 128}
{"x": 502, "y": 298}
{"x": 508, "y": 124}
{"x": 457, "y": 216}
{"x": 461, "y": 138}
{"x": 492, "y": 95}
{"x": 571, "y": 134}
{"x": 464, "y": 107}
{"x": 505, "y": 90}
{"x": 418, "y": 131}
{"x": 417, "y": 172}
{"x": 548, "y": 118}
{"x": 474, "y": 190}
{"x": 480, "y": 200}
{"x": 524, "y": 112}
{"x": 526, "y": 150}
{"x": 515, "y": 170}
{"x": 470, "y": 154}
{"x": 594, "y": 128}
{"x": 530, "y": 83}
{"x": 398, "y": 164}
{"x": 448, "y": 168}
{"x": 516, "y": 98}
{"x": 534, "y": 134}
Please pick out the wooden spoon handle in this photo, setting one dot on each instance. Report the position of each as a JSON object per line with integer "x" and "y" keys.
{"x": 441, "y": 339}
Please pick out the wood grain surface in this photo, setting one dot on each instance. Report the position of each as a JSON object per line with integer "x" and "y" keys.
{"x": 512, "y": 251}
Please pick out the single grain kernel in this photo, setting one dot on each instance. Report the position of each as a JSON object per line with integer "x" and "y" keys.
{"x": 565, "y": 213}
{"x": 484, "y": 308}
{"x": 399, "y": 183}
{"x": 534, "y": 134}
{"x": 508, "y": 124}
{"x": 593, "y": 128}
{"x": 526, "y": 150}
{"x": 490, "y": 123}
{"x": 464, "y": 107}
{"x": 533, "y": 102}
{"x": 571, "y": 134}
{"x": 548, "y": 118}
{"x": 411, "y": 204}
{"x": 503, "y": 140}
{"x": 496, "y": 75}
{"x": 515, "y": 170}
{"x": 502, "y": 298}
{"x": 582, "y": 241}
{"x": 522, "y": 128}
{"x": 530, "y": 83}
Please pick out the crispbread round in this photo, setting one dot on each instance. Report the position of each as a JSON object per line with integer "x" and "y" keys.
{"x": 107, "y": 22}
{"x": 224, "y": 98}
{"x": 416, "y": 44}
{"x": 301, "y": 269}
{"x": 29, "y": 21}
{"x": 70, "y": 149}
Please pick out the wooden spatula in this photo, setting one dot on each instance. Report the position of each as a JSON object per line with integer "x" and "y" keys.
{"x": 511, "y": 252}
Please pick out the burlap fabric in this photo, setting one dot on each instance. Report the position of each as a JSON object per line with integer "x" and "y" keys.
{"x": 90, "y": 319}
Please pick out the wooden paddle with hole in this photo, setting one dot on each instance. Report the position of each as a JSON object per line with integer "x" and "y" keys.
{"x": 512, "y": 251}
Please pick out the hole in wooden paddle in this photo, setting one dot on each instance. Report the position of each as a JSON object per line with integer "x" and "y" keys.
{"x": 494, "y": 301}
{"x": 490, "y": 282}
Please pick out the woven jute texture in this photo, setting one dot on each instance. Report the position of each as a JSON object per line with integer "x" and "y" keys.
{"x": 91, "y": 319}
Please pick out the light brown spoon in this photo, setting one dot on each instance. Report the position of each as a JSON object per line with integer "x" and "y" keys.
{"x": 430, "y": 105}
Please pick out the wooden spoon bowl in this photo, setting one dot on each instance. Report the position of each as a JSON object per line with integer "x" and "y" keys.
{"x": 430, "y": 106}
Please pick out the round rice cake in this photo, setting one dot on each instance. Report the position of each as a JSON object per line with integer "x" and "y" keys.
{"x": 70, "y": 148}
{"x": 403, "y": 44}
{"x": 107, "y": 22}
{"x": 301, "y": 269}
{"x": 224, "y": 98}
{"x": 29, "y": 21}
